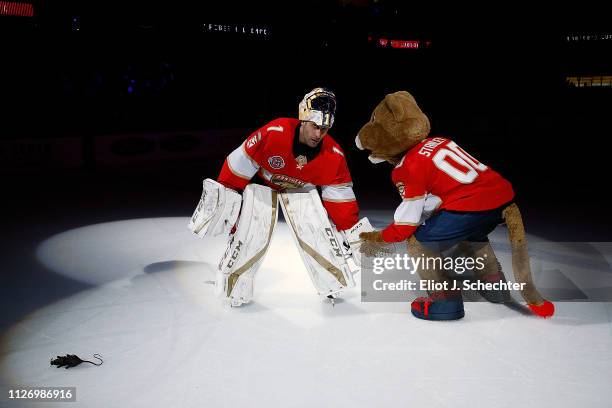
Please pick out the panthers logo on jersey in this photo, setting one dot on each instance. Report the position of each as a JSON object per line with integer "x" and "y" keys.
{"x": 286, "y": 181}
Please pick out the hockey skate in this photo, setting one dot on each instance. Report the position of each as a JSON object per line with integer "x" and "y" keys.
{"x": 332, "y": 299}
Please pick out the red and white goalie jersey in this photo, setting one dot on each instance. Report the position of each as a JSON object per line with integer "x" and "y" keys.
{"x": 269, "y": 152}
{"x": 437, "y": 175}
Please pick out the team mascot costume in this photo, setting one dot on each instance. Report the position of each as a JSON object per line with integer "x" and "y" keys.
{"x": 450, "y": 201}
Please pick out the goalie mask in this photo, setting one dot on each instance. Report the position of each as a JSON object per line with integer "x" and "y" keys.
{"x": 318, "y": 106}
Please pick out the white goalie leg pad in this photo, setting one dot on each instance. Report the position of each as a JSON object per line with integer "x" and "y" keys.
{"x": 247, "y": 247}
{"x": 319, "y": 247}
{"x": 217, "y": 210}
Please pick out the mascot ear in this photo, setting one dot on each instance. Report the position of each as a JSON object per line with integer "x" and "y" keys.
{"x": 396, "y": 106}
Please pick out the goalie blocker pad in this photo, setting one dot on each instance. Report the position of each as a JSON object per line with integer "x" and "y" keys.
{"x": 352, "y": 234}
{"x": 217, "y": 210}
{"x": 247, "y": 247}
{"x": 323, "y": 254}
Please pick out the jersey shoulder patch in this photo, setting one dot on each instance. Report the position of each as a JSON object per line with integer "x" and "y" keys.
{"x": 253, "y": 140}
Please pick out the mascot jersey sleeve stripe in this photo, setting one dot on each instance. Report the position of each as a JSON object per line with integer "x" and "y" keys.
{"x": 269, "y": 152}
{"x": 438, "y": 166}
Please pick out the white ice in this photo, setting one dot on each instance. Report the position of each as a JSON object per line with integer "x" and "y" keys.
{"x": 166, "y": 340}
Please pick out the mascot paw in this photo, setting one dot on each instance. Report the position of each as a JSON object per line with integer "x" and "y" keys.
{"x": 372, "y": 244}
{"x": 374, "y": 236}
{"x": 545, "y": 310}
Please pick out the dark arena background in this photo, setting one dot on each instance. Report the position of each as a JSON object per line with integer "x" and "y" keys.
{"x": 112, "y": 114}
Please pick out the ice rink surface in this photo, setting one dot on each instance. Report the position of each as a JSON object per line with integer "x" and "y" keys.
{"x": 140, "y": 295}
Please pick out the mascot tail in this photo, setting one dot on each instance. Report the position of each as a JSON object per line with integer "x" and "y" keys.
{"x": 520, "y": 263}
